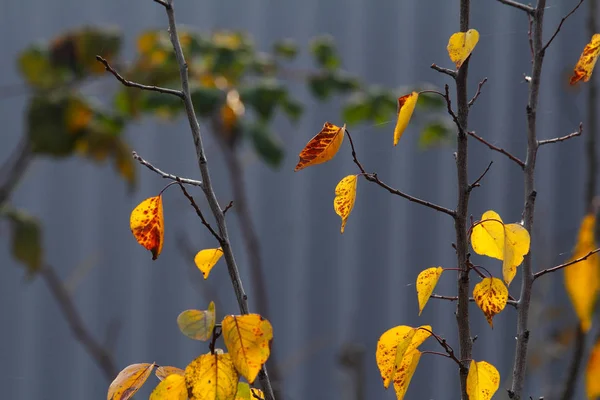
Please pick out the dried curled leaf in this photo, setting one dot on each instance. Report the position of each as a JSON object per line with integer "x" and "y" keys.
{"x": 206, "y": 259}
{"x": 148, "y": 225}
{"x": 587, "y": 61}
{"x": 426, "y": 282}
{"x": 490, "y": 296}
{"x": 592, "y": 373}
{"x": 197, "y": 324}
{"x": 248, "y": 339}
{"x": 211, "y": 377}
{"x": 460, "y": 46}
{"x": 129, "y": 381}
{"x": 323, "y": 147}
{"x": 171, "y": 388}
{"x": 483, "y": 380}
{"x": 345, "y": 195}
{"x": 406, "y": 106}
{"x": 164, "y": 371}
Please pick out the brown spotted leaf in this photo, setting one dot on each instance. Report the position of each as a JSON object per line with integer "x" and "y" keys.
{"x": 405, "y": 372}
{"x": 148, "y": 225}
{"x": 345, "y": 195}
{"x": 211, "y": 377}
{"x": 323, "y": 147}
{"x": 171, "y": 388}
{"x": 129, "y": 381}
{"x": 483, "y": 380}
{"x": 490, "y": 296}
{"x": 587, "y": 61}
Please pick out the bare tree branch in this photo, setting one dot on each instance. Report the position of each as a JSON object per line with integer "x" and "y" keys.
{"x": 200, "y": 215}
{"x": 562, "y": 21}
{"x": 498, "y": 149}
{"x": 562, "y": 138}
{"x": 14, "y": 168}
{"x": 164, "y": 174}
{"x": 476, "y": 183}
{"x": 561, "y": 266}
{"x": 451, "y": 73}
{"x": 474, "y": 99}
{"x": 528, "y": 9}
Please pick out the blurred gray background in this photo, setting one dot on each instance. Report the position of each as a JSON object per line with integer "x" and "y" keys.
{"x": 326, "y": 290}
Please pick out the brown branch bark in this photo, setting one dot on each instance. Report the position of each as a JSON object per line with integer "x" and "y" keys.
{"x": 14, "y": 168}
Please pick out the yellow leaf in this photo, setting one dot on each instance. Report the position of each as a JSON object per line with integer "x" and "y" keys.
{"x": 206, "y": 259}
{"x": 490, "y": 295}
{"x": 129, "y": 381}
{"x": 426, "y": 282}
{"x": 212, "y": 377}
{"x": 394, "y": 346}
{"x": 248, "y": 339}
{"x": 323, "y": 147}
{"x": 171, "y": 388}
{"x": 592, "y": 373}
{"x": 162, "y": 372}
{"x": 587, "y": 60}
{"x": 345, "y": 195}
{"x": 245, "y": 392}
{"x": 406, "y": 106}
{"x": 197, "y": 324}
{"x": 147, "y": 41}
{"x": 581, "y": 279}
{"x": 405, "y": 373}
{"x": 148, "y": 225}
{"x": 483, "y": 380}
{"x": 460, "y": 46}
{"x": 507, "y": 242}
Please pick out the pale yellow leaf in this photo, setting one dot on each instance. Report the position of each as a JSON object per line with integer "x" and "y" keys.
{"x": 206, "y": 259}
{"x": 245, "y": 392}
{"x": 171, "y": 388}
{"x": 406, "y": 106}
{"x": 587, "y": 61}
{"x": 426, "y": 282}
{"x": 483, "y": 380}
{"x": 129, "y": 381}
{"x": 197, "y": 324}
{"x": 460, "y": 46}
{"x": 211, "y": 377}
{"x": 164, "y": 371}
{"x": 323, "y": 147}
{"x": 490, "y": 296}
{"x": 345, "y": 195}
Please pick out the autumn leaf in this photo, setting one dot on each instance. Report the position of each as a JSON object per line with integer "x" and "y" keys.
{"x": 405, "y": 373}
{"x": 248, "y": 339}
{"x": 323, "y": 147}
{"x": 460, "y": 46}
{"x": 582, "y": 279}
{"x": 507, "y": 242}
{"x": 129, "y": 381}
{"x": 148, "y": 225}
{"x": 211, "y": 377}
{"x": 197, "y": 324}
{"x": 245, "y": 392}
{"x": 171, "y": 388}
{"x": 394, "y": 346}
{"x": 406, "y": 106}
{"x": 164, "y": 371}
{"x": 592, "y": 373}
{"x": 587, "y": 60}
{"x": 490, "y": 296}
{"x": 345, "y": 195}
{"x": 206, "y": 259}
{"x": 426, "y": 282}
{"x": 483, "y": 380}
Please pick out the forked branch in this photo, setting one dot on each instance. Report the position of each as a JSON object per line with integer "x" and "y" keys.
{"x": 523, "y": 7}
{"x": 165, "y": 175}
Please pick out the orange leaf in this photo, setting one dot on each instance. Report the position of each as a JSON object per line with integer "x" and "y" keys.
{"x": 171, "y": 388}
{"x": 162, "y": 372}
{"x": 345, "y": 195}
{"x": 592, "y": 373}
{"x": 426, "y": 282}
{"x": 323, "y": 147}
{"x": 129, "y": 381}
{"x": 406, "y": 106}
{"x": 490, "y": 296}
{"x": 587, "y": 60}
{"x": 147, "y": 224}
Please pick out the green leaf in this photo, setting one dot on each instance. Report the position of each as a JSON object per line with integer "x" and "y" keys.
{"x": 436, "y": 133}
{"x": 264, "y": 96}
{"x": 292, "y": 108}
{"x": 34, "y": 64}
{"x": 358, "y": 109}
{"x": 46, "y": 126}
{"x": 285, "y": 48}
{"x": 266, "y": 144}
{"x": 206, "y": 100}
{"x": 163, "y": 105}
{"x": 26, "y": 240}
{"x": 430, "y": 101}
{"x": 325, "y": 53}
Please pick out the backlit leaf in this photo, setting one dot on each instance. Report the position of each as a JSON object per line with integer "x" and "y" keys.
{"x": 592, "y": 373}
{"x": 345, "y": 195}
{"x": 148, "y": 225}
{"x": 248, "y": 339}
{"x": 490, "y": 296}
{"x": 197, "y": 324}
{"x": 164, "y": 371}
{"x": 426, "y": 282}
{"x": 406, "y": 106}
{"x": 405, "y": 372}
{"x": 245, "y": 392}
{"x": 129, "y": 381}
{"x": 506, "y": 242}
{"x": 461, "y": 44}
{"x": 171, "y": 388}
{"x": 211, "y": 377}
{"x": 206, "y": 259}
{"x": 323, "y": 147}
{"x": 582, "y": 279}
{"x": 483, "y": 380}
{"x": 587, "y": 60}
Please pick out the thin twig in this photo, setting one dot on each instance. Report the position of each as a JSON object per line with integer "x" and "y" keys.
{"x": 163, "y": 3}
{"x": 14, "y": 168}
{"x": 562, "y": 21}
{"x": 476, "y": 183}
{"x": 128, "y": 83}
{"x": 228, "y": 207}
{"x": 562, "y": 138}
{"x": 478, "y": 92}
{"x": 561, "y": 266}
{"x": 512, "y": 303}
{"x": 372, "y": 177}
{"x": 498, "y": 149}
{"x": 461, "y": 129}
{"x": 528, "y": 9}
{"x": 164, "y": 174}
{"x": 199, "y": 213}
{"x": 449, "y": 350}
{"x": 446, "y": 71}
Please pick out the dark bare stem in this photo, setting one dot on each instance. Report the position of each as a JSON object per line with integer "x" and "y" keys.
{"x": 165, "y": 175}
{"x": 562, "y": 21}
{"x": 200, "y": 215}
{"x": 14, "y": 168}
{"x": 451, "y": 73}
{"x": 528, "y": 9}
{"x": 561, "y": 266}
{"x": 474, "y": 99}
{"x": 228, "y": 207}
{"x": 512, "y": 303}
{"x": 478, "y": 180}
{"x": 445, "y": 346}
{"x": 562, "y": 138}
{"x": 498, "y": 149}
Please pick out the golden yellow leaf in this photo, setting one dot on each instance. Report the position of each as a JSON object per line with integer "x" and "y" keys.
{"x": 507, "y": 242}
{"x": 582, "y": 279}
{"x": 129, "y": 381}
{"x": 148, "y": 224}
{"x": 345, "y": 195}
{"x": 211, "y": 377}
{"x": 147, "y": 41}
{"x": 245, "y": 392}
{"x": 426, "y": 282}
{"x": 206, "y": 259}
{"x": 406, "y": 106}
{"x": 483, "y": 380}
{"x": 460, "y": 46}
{"x": 394, "y": 346}
{"x": 592, "y": 373}
{"x": 323, "y": 147}
{"x": 171, "y": 388}
{"x": 490, "y": 296}
{"x": 405, "y": 372}
{"x": 587, "y": 60}
{"x": 248, "y": 339}
{"x": 164, "y": 371}
{"x": 197, "y": 324}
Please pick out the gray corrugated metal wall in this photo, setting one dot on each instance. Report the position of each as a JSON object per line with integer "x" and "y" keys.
{"x": 325, "y": 289}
